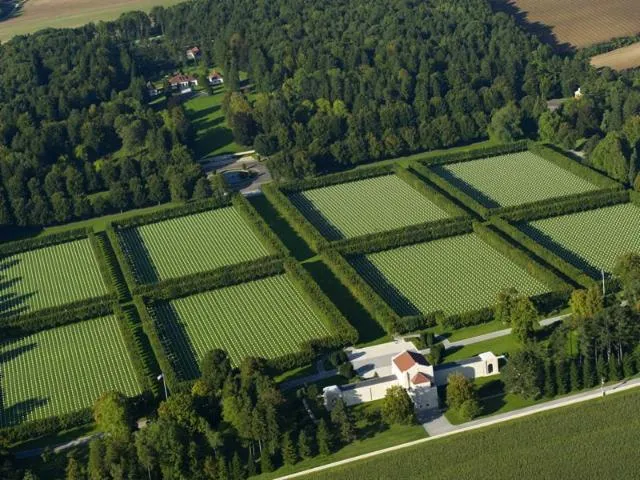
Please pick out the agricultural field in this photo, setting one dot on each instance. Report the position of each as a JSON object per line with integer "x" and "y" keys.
{"x": 454, "y": 275}
{"x": 365, "y": 206}
{"x": 620, "y": 58}
{"x": 593, "y": 239}
{"x": 49, "y": 277}
{"x": 63, "y": 369}
{"x": 35, "y": 15}
{"x": 513, "y": 179}
{"x": 599, "y": 437}
{"x": 583, "y": 22}
{"x": 190, "y": 244}
{"x": 265, "y": 318}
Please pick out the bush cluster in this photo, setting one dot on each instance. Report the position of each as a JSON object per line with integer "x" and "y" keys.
{"x": 45, "y": 426}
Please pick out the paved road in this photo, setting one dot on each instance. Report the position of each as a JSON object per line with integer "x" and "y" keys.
{"x": 483, "y": 422}
{"x": 239, "y": 162}
{"x": 35, "y": 452}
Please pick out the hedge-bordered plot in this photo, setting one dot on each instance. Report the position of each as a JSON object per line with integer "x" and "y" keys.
{"x": 50, "y": 276}
{"x": 593, "y": 239}
{"x": 365, "y": 206}
{"x": 265, "y": 318}
{"x": 63, "y": 369}
{"x": 186, "y": 245}
{"x": 453, "y": 275}
{"x": 513, "y": 179}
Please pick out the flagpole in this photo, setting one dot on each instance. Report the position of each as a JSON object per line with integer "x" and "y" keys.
{"x": 164, "y": 384}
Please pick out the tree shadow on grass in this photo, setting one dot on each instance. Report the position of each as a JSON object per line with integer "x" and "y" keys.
{"x": 368, "y": 329}
{"x": 383, "y": 287}
{"x": 176, "y": 342}
{"x": 195, "y": 115}
{"x": 11, "y": 9}
{"x": 465, "y": 187}
{"x": 296, "y": 245}
{"x": 315, "y": 216}
{"x": 11, "y": 301}
{"x": 145, "y": 270}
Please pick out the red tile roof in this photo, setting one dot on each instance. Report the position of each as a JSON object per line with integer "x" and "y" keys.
{"x": 181, "y": 79}
{"x": 406, "y": 360}
{"x": 420, "y": 378}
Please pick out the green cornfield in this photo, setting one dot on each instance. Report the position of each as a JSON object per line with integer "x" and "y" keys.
{"x": 592, "y": 440}
{"x": 513, "y": 179}
{"x": 593, "y": 239}
{"x": 49, "y": 277}
{"x": 264, "y": 318}
{"x": 191, "y": 244}
{"x": 454, "y": 275}
{"x": 63, "y": 369}
{"x": 365, "y": 206}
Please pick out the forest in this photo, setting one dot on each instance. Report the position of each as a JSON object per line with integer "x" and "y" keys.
{"x": 336, "y": 85}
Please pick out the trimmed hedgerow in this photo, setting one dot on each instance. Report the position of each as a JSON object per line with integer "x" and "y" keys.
{"x": 424, "y": 232}
{"x": 565, "y": 205}
{"x": 410, "y": 176}
{"x": 174, "y": 212}
{"x": 467, "y": 319}
{"x": 45, "y": 426}
{"x": 345, "y": 333}
{"x": 298, "y": 222}
{"x": 258, "y": 225}
{"x": 337, "y": 178}
{"x": 19, "y": 246}
{"x": 476, "y": 153}
{"x": 520, "y": 257}
{"x": 466, "y": 200}
{"x": 576, "y": 275}
{"x": 361, "y": 290}
{"x": 552, "y": 154}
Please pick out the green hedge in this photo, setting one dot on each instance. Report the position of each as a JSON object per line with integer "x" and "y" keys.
{"x": 576, "y": 275}
{"x": 296, "y": 219}
{"x": 152, "y": 330}
{"x": 466, "y": 200}
{"x": 361, "y": 290}
{"x": 476, "y": 153}
{"x": 175, "y": 212}
{"x": 121, "y": 258}
{"x": 259, "y": 226}
{"x": 410, "y": 176}
{"x": 345, "y": 333}
{"x": 46, "y": 426}
{"x": 110, "y": 266}
{"x": 221, "y": 277}
{"x": 337, "y": 178}
{"x": 19, "y": 246}
{"x": 22, "y": 324}
{"x": 552, "y": 154}
{"x": 564, "y": 205}
{"x": 520, "y": 257}
{"x": 412, "y": 323}
{"x": 467, "y": 319}
{"x": 136, "y": 343}
{"x": 412, "y": 234}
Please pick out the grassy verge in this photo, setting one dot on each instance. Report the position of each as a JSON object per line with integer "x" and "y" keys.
{"x": 499, "y": 346}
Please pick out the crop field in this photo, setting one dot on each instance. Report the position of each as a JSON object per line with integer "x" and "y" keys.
{"x": 365, "y": 206}
{"x": 38, "y": 14}
{"x": 593, "y": 239}
{"x": 186, "y": 245}
{"x": 265, "y": 318}
{"x": 620, "y": 58}
{"x": 595, "y": 439}
{"x": 583, "y": 22}
{"x": 63, "y": 369}
{"x": 454, "y": 275}
{"x": 513, "y": 179}
{"x": 49, "y": 277}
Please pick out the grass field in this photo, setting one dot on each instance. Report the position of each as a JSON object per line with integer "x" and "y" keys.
{"x": 39, "y": 14}
{"x": 583, "y": 22}
{"x": 513, "y": 179}
{"x": 265, "y": 318}
{"x": 454, "y": 275}
{"x": 213, "y": 134}
{"x": 597, "y": 439}
{"x": 64, "y": 369}
{"x": 365, "y": 206}
{"x": 49, "y": 277}
{"x": 593, "y": 239}
{"x": 185, "y": 245}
